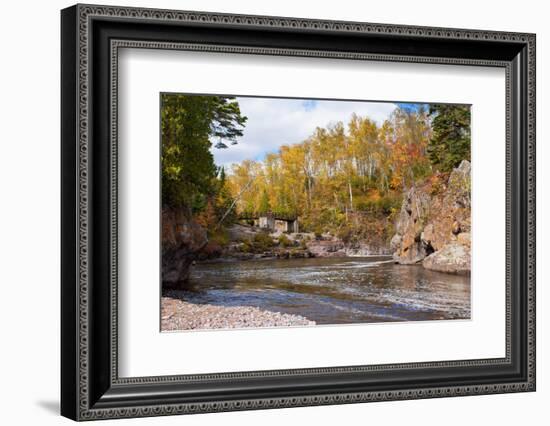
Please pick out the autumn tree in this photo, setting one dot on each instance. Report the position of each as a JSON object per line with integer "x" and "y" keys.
{"x": 408, "y": 135}
{"x": 246, "y": 184}
{"x": 224, "y": 201}
{"x": 265, "y": 205}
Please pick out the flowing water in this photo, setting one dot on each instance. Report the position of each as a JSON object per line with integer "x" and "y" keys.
{"x": 334, "y": 290}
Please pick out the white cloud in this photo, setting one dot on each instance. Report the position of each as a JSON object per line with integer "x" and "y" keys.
{"x": 274, "y": 122}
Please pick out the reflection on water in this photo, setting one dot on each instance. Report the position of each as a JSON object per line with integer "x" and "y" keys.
{"x": 334, "y": 291}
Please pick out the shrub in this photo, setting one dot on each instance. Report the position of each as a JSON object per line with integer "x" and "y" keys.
{"x": 346, "y": 234}
{"x": 389, "y": 203}
{"x": 262, "y": 242}
{"x": 220, "y": 237}
{"x": 246, "y": 246}
{"x": 383, "y": 204}
{"x": 284, "y": 241}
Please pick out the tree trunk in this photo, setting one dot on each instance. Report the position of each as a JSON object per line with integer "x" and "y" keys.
{"x": 350, "y": 196}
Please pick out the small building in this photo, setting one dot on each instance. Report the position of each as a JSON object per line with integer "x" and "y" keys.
{"x": 278, "y": 223}
{"x": 266, "y": 222}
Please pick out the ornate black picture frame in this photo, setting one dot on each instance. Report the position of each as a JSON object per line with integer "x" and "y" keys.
{"x": 91, "y": 36}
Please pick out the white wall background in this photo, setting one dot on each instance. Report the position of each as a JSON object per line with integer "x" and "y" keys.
{"x": 29, "y": 211}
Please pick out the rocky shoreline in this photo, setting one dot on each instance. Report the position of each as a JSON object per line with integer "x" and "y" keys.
{"x": 249, "y": 243}
{"x": 177, "y": 313}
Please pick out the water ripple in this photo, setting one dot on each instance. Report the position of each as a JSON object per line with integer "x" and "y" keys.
{"x": 335, "y": 291}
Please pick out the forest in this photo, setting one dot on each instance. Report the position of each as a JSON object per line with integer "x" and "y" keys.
{"x": 346, "y": 179}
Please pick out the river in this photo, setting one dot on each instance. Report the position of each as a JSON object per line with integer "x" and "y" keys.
{"x": 334, "y": 290}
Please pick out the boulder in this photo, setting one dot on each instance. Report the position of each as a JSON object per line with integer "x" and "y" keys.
{"x": 454, "y": 258}
{"x": 238, "y": 232}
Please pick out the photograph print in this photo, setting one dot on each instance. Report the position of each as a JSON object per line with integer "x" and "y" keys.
{"x": 287, "y": 212}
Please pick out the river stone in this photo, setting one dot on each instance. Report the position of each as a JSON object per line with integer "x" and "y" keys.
{"x": 453, "y": 258}
{"x": 180, "y": 314}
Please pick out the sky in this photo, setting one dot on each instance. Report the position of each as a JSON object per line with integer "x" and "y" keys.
{"x": 273, "y": 122}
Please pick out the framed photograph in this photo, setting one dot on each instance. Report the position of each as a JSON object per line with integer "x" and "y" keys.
{"x": 263, "y": 212}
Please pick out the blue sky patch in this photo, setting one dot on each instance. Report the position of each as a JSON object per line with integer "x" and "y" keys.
{"x": 309, "y": 104}
{"x": 411, "y": 107}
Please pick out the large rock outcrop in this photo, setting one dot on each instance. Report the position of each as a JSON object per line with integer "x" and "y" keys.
{"x": 453, "y": 258}
{"x": 409, "y": 227}
{"x": 182, "y": 241}
{"x": 433, "y": 226}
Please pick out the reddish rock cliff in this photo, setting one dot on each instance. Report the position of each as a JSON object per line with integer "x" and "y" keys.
{"x": 433, "y": 226}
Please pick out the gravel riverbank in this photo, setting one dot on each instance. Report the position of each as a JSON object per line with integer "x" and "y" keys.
{"x": 178, "y": 314}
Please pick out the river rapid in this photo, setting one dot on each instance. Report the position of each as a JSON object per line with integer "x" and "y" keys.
{"x": 334, "y": 290}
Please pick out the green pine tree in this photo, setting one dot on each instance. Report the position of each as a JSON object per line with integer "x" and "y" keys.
{"x": 450, "y": 142}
